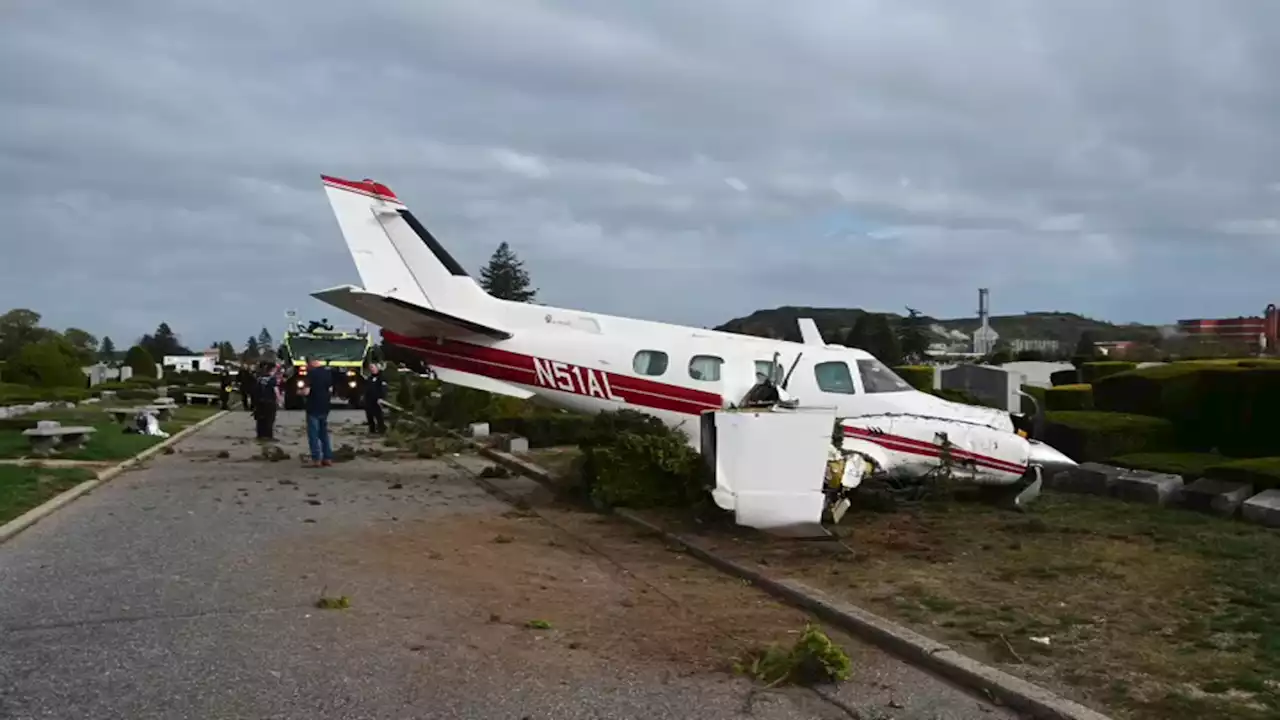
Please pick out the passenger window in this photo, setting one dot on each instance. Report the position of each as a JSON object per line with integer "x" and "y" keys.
{"x": 764, "y": 368}
{"x": 834, "y": 377}
{"x": 705, "y": 367}
{"x": 650, "y": 362}
{"x": 878, "y": 378}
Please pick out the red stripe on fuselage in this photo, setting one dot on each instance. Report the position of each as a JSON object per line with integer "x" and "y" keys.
{"x": 520, "y": 369}
{"x": 899, "y": 443}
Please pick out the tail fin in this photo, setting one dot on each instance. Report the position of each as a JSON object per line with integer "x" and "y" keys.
{"x": 398, "y": 258}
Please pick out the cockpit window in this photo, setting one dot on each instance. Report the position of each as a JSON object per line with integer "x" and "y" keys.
{"x": 878, "y": 378}
{"x": 834, "y": 377}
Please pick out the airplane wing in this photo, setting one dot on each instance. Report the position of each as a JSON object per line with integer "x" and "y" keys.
{"x": 402, "y": 317}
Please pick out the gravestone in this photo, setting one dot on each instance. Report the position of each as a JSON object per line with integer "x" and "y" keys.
{"x": 478, "y": 430}
{"x": 1220, "y": 497}
{"x": 991, "y": 384}
{"x": 1263, "y": 508}
{"x": 1088, "y": 478}
{"x": 516, "y": 444}
{"x": 1148, "y": 487}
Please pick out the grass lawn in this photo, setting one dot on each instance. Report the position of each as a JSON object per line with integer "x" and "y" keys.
{"x": 110, "y": 442}
{"x": 22, "y": 488}
{"x": 1149, "y": 614}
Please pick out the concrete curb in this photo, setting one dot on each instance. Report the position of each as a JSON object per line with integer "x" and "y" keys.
{"x": 52, "y": 505}
{"x": 1023, "y": 696}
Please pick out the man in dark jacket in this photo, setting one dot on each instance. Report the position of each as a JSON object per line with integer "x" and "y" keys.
{"x": 246, "y": 381}
{"x": 375, "y": 389}
{"x": 264, "y": 402}
{"x": 224, "y": 388}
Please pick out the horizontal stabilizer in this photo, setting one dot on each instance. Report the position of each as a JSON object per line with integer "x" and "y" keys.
{"x": 480, "y": 382}
{"x": 404, "y": 318}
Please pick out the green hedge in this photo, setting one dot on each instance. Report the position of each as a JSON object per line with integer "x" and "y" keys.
{"x": 1263, "y": 473}
{"x": 1039, "y": 394}
{"x": 919, "y": 377}
{"x": 1070, "y": 376}
{"x": 1086, "y": 436}
{"x": 1069, "y": 397}
{"x": 1214, "y": 405}
{"x": 546, "y": 430}
{"x": 13, "y": 394}
{"x": 1092, "y": 372}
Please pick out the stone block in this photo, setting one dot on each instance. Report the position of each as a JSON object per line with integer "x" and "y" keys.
{"x": 1220, "y": 497}
{"x": 48, "y": 424}
{"x": 1263, "y": 508}
{"x": 1086, "y": 478}
{"x": 516, "y": 444}
{"x": 1148, "y": 487}
{"x": 478, "y": 430}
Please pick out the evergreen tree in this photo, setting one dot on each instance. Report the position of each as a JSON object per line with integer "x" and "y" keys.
{"x": 873, "y": 333}
{"x": 1086, "y": 348}
{"x": 163, "y": 342}
{"x": 505, "y": 277}
{"x": 251, "y": 352}
{"x": 265, "y": 340}
{"x": 107, "y": 350}
{"x": 226, "y": 351}
{"x": 912, "y": 338}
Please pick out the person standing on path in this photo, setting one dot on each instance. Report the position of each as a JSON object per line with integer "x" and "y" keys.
{"x": 317, "y": 391}
{"x": 264, "y": 404}
{"x": 375, "y": 389}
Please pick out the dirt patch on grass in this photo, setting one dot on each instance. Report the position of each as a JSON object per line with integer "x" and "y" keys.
{"x": 618, "y": 596}
{"x": 1151, "y": 613}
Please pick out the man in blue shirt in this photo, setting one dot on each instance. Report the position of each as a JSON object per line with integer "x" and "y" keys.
{"x": 318, "y": 389}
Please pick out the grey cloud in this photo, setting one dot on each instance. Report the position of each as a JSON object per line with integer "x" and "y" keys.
{"x": 1099, "y": 155}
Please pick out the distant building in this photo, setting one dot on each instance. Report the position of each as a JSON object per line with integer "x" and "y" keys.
{"x": 1114, "y": 347}
{"x": 207, "y": 362}
{"x": 985, "y": 337}
{"x": 1243, "y": 331}
{"x": 1048, "y": 347}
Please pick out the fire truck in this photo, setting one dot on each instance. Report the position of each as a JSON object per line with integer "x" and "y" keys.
{"x": 346, "y": 352}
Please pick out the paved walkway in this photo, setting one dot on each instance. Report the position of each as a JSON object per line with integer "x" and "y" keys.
{"x": 186, "y": 589}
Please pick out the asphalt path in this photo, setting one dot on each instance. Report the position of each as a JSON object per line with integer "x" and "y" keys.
{"x": 187, "y": 589}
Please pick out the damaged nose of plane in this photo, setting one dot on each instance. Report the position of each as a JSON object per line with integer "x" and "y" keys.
{"x": 1048, "y": 458}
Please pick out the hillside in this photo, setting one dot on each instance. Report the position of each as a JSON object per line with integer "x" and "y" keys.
{"x": 835, "y": 322}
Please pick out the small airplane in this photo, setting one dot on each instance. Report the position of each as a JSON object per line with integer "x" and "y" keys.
{"x": 425, "y": 301}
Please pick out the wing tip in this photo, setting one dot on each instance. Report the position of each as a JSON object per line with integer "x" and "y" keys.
{"x": 365, "y": 187}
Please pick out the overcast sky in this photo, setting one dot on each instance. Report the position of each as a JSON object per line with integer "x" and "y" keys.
{"x": 667, "y": 159}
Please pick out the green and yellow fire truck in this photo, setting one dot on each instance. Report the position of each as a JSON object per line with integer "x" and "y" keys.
{"x": 345, "y": 352}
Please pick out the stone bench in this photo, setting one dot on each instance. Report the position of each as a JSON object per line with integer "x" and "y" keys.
{"x": 206, "y": 398}
{"x": 163, "y": 413}
{"x": 49, "y": 436}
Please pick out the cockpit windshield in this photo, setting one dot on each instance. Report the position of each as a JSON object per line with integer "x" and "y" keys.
{"x": 878, "y": 378}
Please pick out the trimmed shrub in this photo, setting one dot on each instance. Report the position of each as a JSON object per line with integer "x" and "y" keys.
{"x": 1092, "y": 372}
{"x": 1069, "y": 397}
{"x": 643, "y": 469}
{"x": 1223, "y": 406}
{"x": 1036, "y": 392}
{"x": 14, "y": 394}
{"x": 1263, "y": 473}
{"x": 141, "y": 362}
{"x": 1086, "y": 436}
{"x": 1064, "y": 377}
{"x": 919, "y": 377}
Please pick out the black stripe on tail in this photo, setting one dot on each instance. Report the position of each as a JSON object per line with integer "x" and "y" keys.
{"x": 433, "y": 245}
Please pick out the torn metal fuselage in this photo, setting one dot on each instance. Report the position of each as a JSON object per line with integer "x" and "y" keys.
{"x": 774, "y": 472}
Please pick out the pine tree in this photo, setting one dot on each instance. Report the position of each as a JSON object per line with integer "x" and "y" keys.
{"x": 264, "y": 339}
{"x": 226, "y": 351}
{"x": 107, "y": 351}
{"x": 912, "y": 339}
{"x": 251, "y": 352}
{"x": 505, "y": 277}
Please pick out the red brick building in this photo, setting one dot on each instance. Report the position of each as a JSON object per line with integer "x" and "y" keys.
{"x": 1250, "y": 332}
